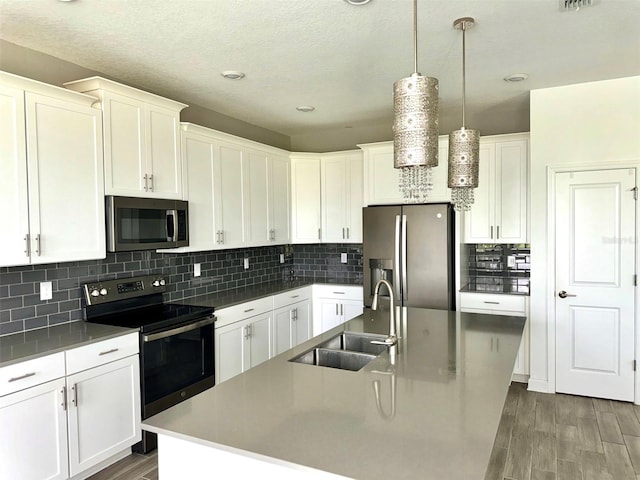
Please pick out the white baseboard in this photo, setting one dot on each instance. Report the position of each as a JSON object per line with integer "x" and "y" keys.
{"x": 536, "y": 385}
{"x": 520, "y": 378}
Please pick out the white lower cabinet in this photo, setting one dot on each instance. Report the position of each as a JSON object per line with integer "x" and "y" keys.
{"x": 70, "y": 426}
{"x": 292, "y": 321}
{"x": 334, "y": 305}
{"x": 496, "y": 304}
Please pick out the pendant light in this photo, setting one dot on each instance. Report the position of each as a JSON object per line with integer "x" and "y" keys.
{"x": 464, "y": 144}
{"x": 415, "y": 127}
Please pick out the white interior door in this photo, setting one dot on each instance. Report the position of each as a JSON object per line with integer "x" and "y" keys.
{"x": 594, "y": 294}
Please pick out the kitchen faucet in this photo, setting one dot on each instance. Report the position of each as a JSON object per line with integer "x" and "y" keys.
{"x": 392, "y": 339}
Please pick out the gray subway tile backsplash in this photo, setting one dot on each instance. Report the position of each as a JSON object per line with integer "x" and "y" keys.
{"x": 488, "y": 268}
{"x": 21, "y": 308}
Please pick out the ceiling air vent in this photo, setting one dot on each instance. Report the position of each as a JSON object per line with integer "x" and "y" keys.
{"x": 574, "y": 5}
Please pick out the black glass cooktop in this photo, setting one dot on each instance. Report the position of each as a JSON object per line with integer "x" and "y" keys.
{"x": 151, "y": 317}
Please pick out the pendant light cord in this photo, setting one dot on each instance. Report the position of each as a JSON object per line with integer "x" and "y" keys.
{"x": 464, "y": 80}
{"x": 415, "y": 36}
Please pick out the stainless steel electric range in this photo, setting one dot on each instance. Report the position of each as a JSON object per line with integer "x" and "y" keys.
{"x": 176, "y": 340}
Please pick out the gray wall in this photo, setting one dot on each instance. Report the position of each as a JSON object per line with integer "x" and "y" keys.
{"x": 45, "y": 68}
{"x": 21, "y": 308}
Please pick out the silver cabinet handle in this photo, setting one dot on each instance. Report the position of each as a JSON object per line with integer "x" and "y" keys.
{"x": 338, "y": 293}
{"x": 319, "y": 234}
{"x": 295, "y": 296}
{"x": 38, "y": 249}
{"x": 341, "y": 309}
{"x": 492, "y": 303}
{"x": 63, "y": 392}
{"x": 249, "y": 310}
{"x": 151, "y": 183}
{"x": 343, "y": 233}
{"x": 294, "y": 313}
{"x": 74, "y": 399}
{"x": 28, "y": 247}
{"x": 491, "y": 231}
{"x": 497, "y": 231}
{"x": 146, "y": 182}
{"x": 498, "y": 344}
{"x": 222, "y": 236}
{"x": 247, "y": 332}
{"x": 22, "y": 377}
{"x": 492, "y": 344}
{"x": 348, "y": 236}
{"x": 336, "y": 309}
{"x": 107, "y": 352}
{"x": 563, "y": 294}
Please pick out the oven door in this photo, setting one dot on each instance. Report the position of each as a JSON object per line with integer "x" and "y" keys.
{"x": 176, "y": 364}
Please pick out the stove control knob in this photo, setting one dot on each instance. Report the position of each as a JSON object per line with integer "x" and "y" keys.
{"x": 95, "y": 292}
{"x": 162, "y": 282}
{"x": 103, "y": 291}
{"x": 156, "y": 283}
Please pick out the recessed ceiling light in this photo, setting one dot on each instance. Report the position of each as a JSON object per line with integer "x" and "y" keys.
{"x": 305, "y": 108}
{"x": 357, "y": 2}
{"x": 516, "y": 77}
{"x": 232, "y": 74}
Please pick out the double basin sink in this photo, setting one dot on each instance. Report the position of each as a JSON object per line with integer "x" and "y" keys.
{"x": 346, "y": 351}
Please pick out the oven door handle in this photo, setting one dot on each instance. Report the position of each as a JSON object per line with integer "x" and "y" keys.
{"x": 176, "y": 331}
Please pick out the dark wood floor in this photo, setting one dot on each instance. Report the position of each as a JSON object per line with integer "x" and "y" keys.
{"x": 540, "y": 437}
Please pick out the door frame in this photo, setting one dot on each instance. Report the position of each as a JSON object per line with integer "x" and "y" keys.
{"x": 552, "y": 170}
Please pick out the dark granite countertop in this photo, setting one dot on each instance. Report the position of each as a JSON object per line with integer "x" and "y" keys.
{"x": 24, "y": 346}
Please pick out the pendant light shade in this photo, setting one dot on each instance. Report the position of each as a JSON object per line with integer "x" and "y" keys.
{"x": 415, "y": 127}
{"x": 464, "y": 145}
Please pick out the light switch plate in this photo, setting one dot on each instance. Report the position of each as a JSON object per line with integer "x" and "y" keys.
{"x": 282, "y": 258}
{"x": 196, "y": 270}
{"x": 46, "y": 291}
{"x": 511, "y": 261}
{"x": 343, "y": 258}
{"x": 246, "y": 264}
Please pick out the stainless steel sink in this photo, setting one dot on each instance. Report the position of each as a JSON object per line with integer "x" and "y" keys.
{"x": 356, "y": 342}
{"x": 327, "y": 357}
{"x": 346, "y": 351}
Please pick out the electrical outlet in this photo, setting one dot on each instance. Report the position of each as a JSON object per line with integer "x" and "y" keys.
{"x": 46, "y": 291}
{"x": 511, "y": 261}
{"x": 343, "y": 258}
{"x": 196, "y": 270}
{"x": 282, "y": 258}
{"x": 246, "y": 264}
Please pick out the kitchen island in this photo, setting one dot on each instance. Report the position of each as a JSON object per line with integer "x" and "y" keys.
{"x": 429, "y": 411}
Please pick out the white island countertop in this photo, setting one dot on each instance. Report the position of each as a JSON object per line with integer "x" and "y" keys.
{"x": 435, "y": 414}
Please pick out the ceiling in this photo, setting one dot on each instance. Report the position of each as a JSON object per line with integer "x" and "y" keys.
{"x": 340, "y": 58}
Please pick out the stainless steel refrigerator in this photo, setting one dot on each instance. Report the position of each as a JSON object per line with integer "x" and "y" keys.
{"x": 411, "y": 246}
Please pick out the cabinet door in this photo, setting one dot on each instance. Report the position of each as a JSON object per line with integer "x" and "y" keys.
{"x": 279, "y": 200}
{"x": 355, "y": 198}
{"x": 259, "y": 341}
{"x": 282, "y": 329}
{"x": 13, "y": 178}
{"x": 479, "y": 221}
{"x": 256, "y": 198}
{"x": 330, "y": 315}
{"x": 229, "y": 194}
{"x": 66, "y": 189}
{"x": 334, "y": 181}
{"x": 104, "y": 412}
{"x": 440, "y": 175}
{"x": 198, "y": 167}
{"x": 305, "y": 200}
{"x": 229, "y": 342}
{"x": 33, "y": 442}
{"x": 302, "y": 322}
{"x": 125, "y": 150}
{"x": 164, "y": 165}
{"x": 511, "y": 191}
{"x": 383, "y": 179}
{"x": 351, "y": 309}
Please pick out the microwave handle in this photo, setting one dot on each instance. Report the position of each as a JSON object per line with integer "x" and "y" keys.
{"x": 172, "y": 225}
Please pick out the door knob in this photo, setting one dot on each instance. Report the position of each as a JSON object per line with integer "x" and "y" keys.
{"x": 563, "y": 294}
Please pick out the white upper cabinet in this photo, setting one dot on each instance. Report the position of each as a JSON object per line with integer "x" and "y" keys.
{"x": 500, "y": 212}
{"x": 305, "y": 198}
{"x": 238, "y": 193}
{"x": 382, "y": 180}
{"x": 141, "y": 139}
{"x": 53, "y": 194}
{"x": 342, "y": 202}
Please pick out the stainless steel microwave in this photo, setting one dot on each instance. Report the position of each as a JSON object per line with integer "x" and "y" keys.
{"x": 146, "y": 223}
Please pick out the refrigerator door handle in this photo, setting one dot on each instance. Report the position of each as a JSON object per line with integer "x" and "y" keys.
{"x": 396, "y": 260}
{"x": 404, "y": 259}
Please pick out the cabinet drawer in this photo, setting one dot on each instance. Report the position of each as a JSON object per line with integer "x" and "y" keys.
{"x": 338, "y": 291}
{"x": 103, "y": 352}
{"x": 228, "y": 315}
{"x": 489, "y": 301}
{"x": 31, "y": 372}
{"x": 292, "y": 296}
